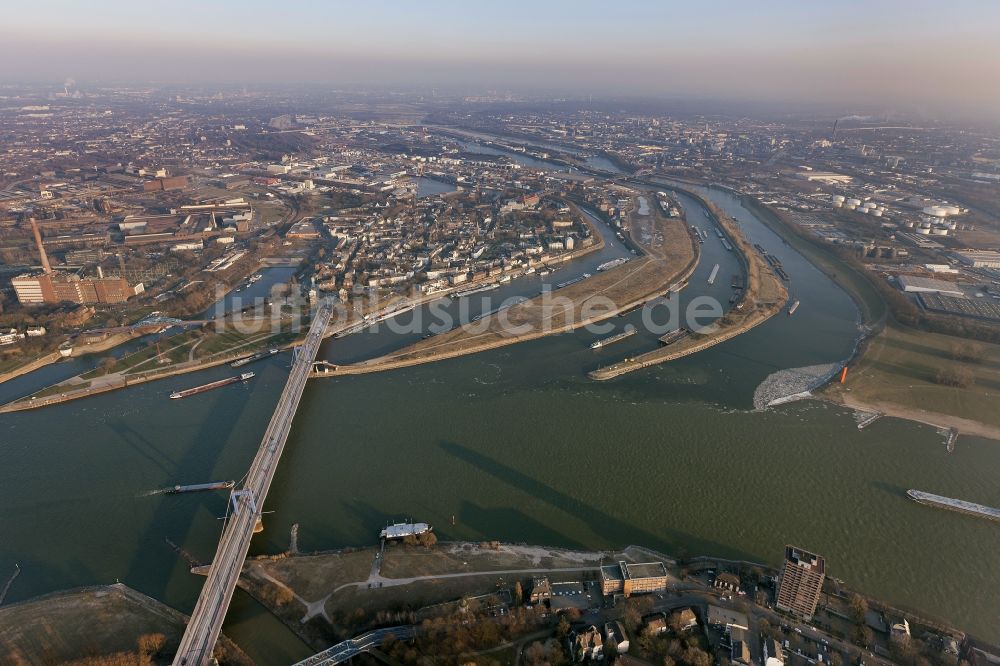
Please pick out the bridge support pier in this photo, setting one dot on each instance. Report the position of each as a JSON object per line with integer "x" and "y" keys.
{"x": 258, "y": 526}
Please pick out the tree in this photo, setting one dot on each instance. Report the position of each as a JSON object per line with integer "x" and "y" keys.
{"x": 563, "y": 629}
{"x": 957, "y": 376}
{"x": 151, "y": 644}
{"x": 966, "y": 351}
{"x": 632, "y": 617}
{"x": 862, "y": 635}
{"x": 859, "y": 608}
{"x": 518, "y": 593}
{"x": 696, "y": 657}
{"x": 107, "y": 363}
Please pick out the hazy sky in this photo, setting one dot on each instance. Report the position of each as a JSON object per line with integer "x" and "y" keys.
{"x": 912, "y": 54}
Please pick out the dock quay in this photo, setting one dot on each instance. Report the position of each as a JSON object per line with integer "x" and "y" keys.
{"x": 675, "y": 335}
{"x": 950, "y": 442}
{"x": 961, "y": 506}
{"x": 869, "y": 419}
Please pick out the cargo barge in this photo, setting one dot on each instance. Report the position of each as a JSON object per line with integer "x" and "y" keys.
{"x": 608, "y": 265}
{"x": 475, "y": 290}
{"x": 675, "y": 336}
{"x": 199, "y": 487}
{"x": 404, "y": 530}
{"x": 627, "y": 333}
{"x": 715, "y": 271}
{"x": 240, "y": 362}
{"x": 573, "y": 281}
{"x": 791, "y": 310}
{"x": 513, "y": 301}
{"x": 212, "y": 385}
{"x": 961, "y": 506}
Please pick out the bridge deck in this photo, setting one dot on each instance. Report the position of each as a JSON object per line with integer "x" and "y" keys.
{"x": 206, "y": 621}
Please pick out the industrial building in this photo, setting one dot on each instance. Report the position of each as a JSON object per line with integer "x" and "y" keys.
{"x": 56, "y": 287}
{"x": 979, "y": 258}
{"x": 826, "y": 177}
{"x": 629, "y": 579}
{"x": 801, "y": 582}
{"x": 921, "y": 285}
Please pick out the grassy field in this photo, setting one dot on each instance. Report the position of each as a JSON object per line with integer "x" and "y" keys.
{"x": 401, "y": 562}
{"x": 96, "y": 621}
{"x": 898, "y": 370}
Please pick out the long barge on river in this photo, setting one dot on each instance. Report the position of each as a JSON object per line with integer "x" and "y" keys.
{"x": 476, "y": 290}
{"x": 212, "y": 385}
{"x": 573, "y": 281}
{"x": 627, "y": 333}
{"x": 961, "y": 506}
{"x": 199, "y": 487}
{"x": 608, "y": 265}
{"x": 254, "y": 357}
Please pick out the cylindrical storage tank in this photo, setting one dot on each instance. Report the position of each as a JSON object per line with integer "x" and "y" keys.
{"x": 935, "y": 211}
{"x": 876, "y": 212}
{"x": 863, "y": 210}
{"x": 838, "y": 204}
{"x": 925, "y": 231}
{"x": 854, "y": 202}
{"x": 910, "y": 224}
{"x": 850, "y": 206}
{"x": 952, "y": 225}
{"x": 939, "y": 231}
{"x": 838, "y": 198}
{"x": 952, "y": 210}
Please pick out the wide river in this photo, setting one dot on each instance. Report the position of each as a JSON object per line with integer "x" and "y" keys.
{"x": 515, "y": 444}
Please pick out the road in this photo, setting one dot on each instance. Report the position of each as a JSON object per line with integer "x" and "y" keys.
{"x": 344, "y": 650}
{"x": 205, "y": 624}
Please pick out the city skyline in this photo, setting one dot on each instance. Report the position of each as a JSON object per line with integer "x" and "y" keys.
{"x": 894, "y": 57}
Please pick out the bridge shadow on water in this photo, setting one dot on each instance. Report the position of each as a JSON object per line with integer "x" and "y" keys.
{"x": 152, "y": 568}
{"x": 611, "y": 529}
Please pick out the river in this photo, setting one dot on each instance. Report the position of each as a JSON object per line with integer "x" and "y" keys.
{"x": 517, "y": 445}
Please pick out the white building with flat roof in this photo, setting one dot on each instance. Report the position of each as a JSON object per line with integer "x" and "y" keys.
{"x": 921, "y": 285}
{"x": 979, "y": 258}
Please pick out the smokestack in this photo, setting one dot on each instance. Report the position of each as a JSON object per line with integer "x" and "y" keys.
{"x": 100, "y": 272}
{"x": 41, "y": 248}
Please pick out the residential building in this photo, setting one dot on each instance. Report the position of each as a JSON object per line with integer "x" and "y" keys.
{"x": 587, "y": 644}
{"x": 629, "y": 579}
{"x": 801, "y": 582}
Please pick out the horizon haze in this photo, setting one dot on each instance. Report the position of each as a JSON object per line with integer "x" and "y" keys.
{"x": 907, "y": 57}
